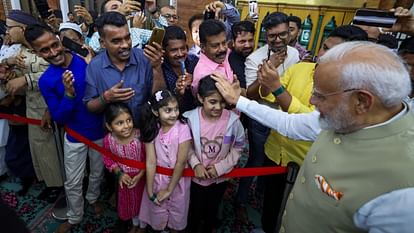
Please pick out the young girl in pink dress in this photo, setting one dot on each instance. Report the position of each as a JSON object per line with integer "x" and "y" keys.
{"x": 123, "y": 140}
{"x": 218, "y": 143}
{"x": 167, "y": 141}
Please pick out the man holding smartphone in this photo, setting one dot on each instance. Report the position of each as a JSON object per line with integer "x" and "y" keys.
{"x": 122, "y": 73}
{"x": 62, "y": 86}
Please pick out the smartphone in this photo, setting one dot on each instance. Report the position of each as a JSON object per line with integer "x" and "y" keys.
{"x": 43, "y": 8}
{"x": 82, "y": 3}
{"x": 253, "y": 9}
{"x": 269, "y": 51}
{"x": 157, "y": 35}
{"x": 142, "y": 5}
{"x": 209, "y": 15}
{"x": 75, "y": 47}
{"x": 374, "y": 18}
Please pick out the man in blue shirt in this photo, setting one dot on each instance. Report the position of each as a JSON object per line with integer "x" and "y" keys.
{"x": 62, "y": 86}
{"x": 121, "y": 73}
{"x": 178, "y": 66}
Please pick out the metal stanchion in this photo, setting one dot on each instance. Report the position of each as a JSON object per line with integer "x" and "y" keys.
{"x": 60, "y": 208}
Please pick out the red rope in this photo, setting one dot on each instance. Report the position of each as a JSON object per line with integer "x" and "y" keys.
{"x": 237, "y": 172}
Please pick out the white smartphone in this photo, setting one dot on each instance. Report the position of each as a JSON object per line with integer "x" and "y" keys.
{"x": 253, "y": 9}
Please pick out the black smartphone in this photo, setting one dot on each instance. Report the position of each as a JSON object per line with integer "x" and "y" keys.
{"x": 75, "y": 47}
{"x": 82, "y": 3}
{"x": 43, "y": 8}
{"x": 209, "y": 15}
{"x": 142, "y": 5}
{"x": 374, "y": 18}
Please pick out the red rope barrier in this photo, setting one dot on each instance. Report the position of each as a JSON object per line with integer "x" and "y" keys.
{"x": 237, "y": 172}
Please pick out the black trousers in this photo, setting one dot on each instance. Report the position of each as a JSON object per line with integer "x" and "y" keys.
{"x": 273, "y": 195}
{"x": 204, "y": 204}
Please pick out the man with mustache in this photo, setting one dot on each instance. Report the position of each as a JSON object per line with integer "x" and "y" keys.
{"x": 178, "y": 66}
{"x": 357, "y": 177}
{"x": 214, "y": 53}
{"x": 121, "y": 73}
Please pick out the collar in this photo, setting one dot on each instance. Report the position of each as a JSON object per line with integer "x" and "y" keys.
{"x": 106, "y": 61}
{"x": 394, "y": 118}
{"x": 211, "y": 64}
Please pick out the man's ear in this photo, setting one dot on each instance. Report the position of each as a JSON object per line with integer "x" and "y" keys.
{"x": 200, "y": 99}
{"x": 364, "y": 101}
{"x": 102, "y": 43}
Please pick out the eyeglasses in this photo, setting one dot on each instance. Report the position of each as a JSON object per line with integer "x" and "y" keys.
{"x": 168, "y": 16}
{"x": 322, "y": 97}
{"x": 281, "y": 35}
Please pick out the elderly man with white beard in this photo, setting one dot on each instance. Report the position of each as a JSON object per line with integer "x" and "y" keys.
{"x": 357, "y": 176}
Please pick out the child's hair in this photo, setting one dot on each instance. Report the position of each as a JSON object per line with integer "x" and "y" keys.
{"x": 113, "y": 110}
{"x": 207, "y": 87}
{"x": 149, "y": 122}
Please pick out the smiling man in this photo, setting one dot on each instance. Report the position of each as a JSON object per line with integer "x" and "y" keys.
{"x": 64, "y": 96}
{"x": 121, "y": 73}
{"x": 178, "y": 66}
{"x": 214, "y": 53}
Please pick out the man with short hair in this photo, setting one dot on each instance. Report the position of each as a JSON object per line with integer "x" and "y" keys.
{"x": 122, "y": 73}
{"x": 214, "y": 53}
{"x": 139, "y": 36}
{"x": 359, "y": 89}
{"x": 243, "y": 46}
{"x": 295, "y": 25}
{"x": 178, "y": 67}
{"x": 71, "y": 17}
{"x": 170, "y": 13}
{"x": 62, "y": 86}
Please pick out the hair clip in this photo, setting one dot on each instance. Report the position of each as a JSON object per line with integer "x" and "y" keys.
{"x": 158, "y": 96}
{"x": 149, "y": 103}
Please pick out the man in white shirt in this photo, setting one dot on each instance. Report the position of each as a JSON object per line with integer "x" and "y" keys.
{"x": 359, "y": 89}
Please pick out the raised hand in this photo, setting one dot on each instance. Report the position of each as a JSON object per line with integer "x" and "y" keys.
{"x": 118, "y": 94}
{"x": 68, "y": 80}
{"x": 129, "y": 6}
{"x": 139, "y": 20}
{"x": 229, "y": 91}
{"x": 81, "y": 11}
{"x": 268, "y": 76}
{"x": 155, "y": 54}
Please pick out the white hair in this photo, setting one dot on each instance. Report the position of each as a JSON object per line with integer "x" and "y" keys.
{"x": 371, "y": 67}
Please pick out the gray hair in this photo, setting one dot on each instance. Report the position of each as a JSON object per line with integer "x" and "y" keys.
{"x": 372, "y": 67}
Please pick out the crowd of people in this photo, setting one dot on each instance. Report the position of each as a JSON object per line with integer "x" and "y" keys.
{"x": 344, "y": 116}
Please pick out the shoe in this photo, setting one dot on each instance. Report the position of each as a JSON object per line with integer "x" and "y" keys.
{"x": 64, "y": 227}
{"x": 54, "y": 194}
{"x": 60, "y": 214}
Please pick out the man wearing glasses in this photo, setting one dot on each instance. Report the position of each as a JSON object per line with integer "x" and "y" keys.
{"x": 282, "y": 57}
{"x": 170, "y": 13}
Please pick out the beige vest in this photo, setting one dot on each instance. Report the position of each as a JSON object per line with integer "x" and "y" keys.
{"x": 363, "y": 165}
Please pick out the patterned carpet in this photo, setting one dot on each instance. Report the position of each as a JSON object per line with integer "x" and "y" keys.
{"x": 37, "y": 213}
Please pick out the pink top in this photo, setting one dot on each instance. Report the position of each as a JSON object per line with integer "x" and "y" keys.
{"x": 205, "y": 67}
{"x": 173, "y": 211}
{"x": 134, "y": 150}
{"x": 212, "y": 135}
